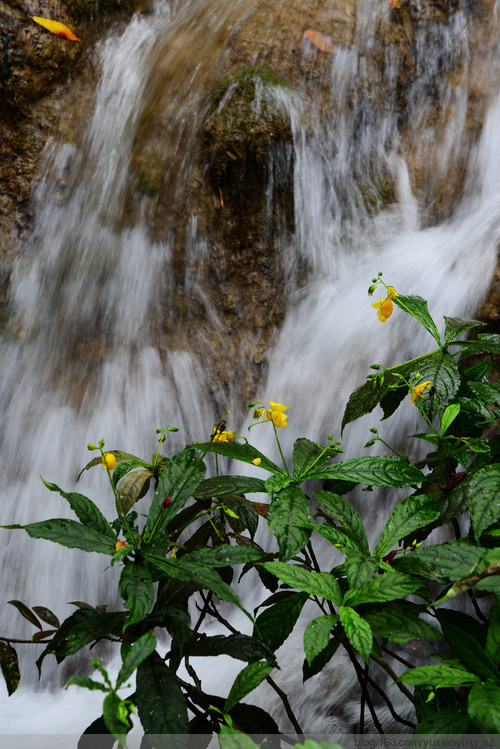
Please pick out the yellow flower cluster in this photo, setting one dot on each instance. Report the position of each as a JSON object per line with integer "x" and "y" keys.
{"x": 225, "y": 436}
{"x": 276, "y": 414}
{"x": 385, "y": 306}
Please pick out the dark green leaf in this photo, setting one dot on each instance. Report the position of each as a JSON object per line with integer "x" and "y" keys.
{"x": 317, "y": 635}
{"x": 320, "y": 661}
{"x": 220, "y": 486}
{"x": 133, "y": 487}
{"x": 484, "y": 498}
{"x": 307, "y": 454}
{"x": 438, "y": 676}
{"x": 244, "y": 452}
{"x": 456, "y": 326}
{"x": 288, "y": 510}
{"x": 450, "y": 721}
{"x": 159, "y": 699}
{"x": 276, "y": 482}
{"x": 493, "y": 638}
{"x": 140, "y": 650}
{"x": 321, "y": 584}
{"x": 241, "y": 647}
{"x": 47, "y": 616}
{"x": 339, "y": 538}
{"x": 488, "y": 392}
{"x": 470, "y": 652}
{"x": 386, "y": 587}
{"x": 374, "y": 471}
{"x": 449, "y": 416}
{"x": 205, "y": 577}
{"x": 490, "y": 584}
{"x": 248, "y": 515}
{"x": 137, "y": 590}
{"x": 417, "y": 307}
{"x": 484, "y": 707}
{"x": 86, "y": 511}
{"x": 274, "y": 624}
{"x": 486, "y": 343}
{"x": 83, "y": 627}
{"x": 69, "y": 533}
{"x": 26, "y": 612}
{"x": 409, "y": 515}
{"x": 392, "y": 399}
{"x": 246, "y": 681}
{"x": 400, "y": 625}
{"x": 225, "y": 555}
{"x": 442, "y": 562}
{"x": 360, "y": 570}
{"x": 357, "y": 630}
{"x": 344, "y": 512}
{"x": 10, "y": 667}
{"x": 442, "y": 371}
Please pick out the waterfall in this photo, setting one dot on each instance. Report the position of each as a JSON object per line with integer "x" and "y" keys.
{"x": 88, "y": 359}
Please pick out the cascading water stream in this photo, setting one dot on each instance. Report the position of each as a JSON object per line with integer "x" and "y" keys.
{"x": 89, "y": 278}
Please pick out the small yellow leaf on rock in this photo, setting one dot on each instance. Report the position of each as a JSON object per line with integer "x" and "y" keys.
{"x": 319, "y": 40}
{"x": 57, "y": 28}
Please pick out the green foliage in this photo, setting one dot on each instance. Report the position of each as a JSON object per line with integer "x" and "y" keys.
{"x": 178, "y": 551}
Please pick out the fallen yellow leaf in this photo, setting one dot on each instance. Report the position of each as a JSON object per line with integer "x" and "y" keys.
{"x": 319, "y": 40}
{"x": 57, "y": 28}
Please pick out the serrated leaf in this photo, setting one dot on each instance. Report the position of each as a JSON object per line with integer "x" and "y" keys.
{"x": 288, "y": 510}
{"x": 360, "y": 570}
{"x": 86, "y": 511}
{"x": 321, "y": 584}
{"x": 374, "y": 471}
{"x": 400, "y": 625}
{"x": 69, "y": 533}
{"x": 205, "y": 577}
{"x": 484, "y": 707}
{"x": 486, "y": 343}
{"x": 241, "y": 647}
{"x": 220, "y": 486}
{"x": 417, "y": 307}
{"x": 457, "y": 326}
{"x": 442, "y": 371}
{"x": 47, "y": 616}
{"x": 386, "y": 587}
{"x": 137, "y": 590}
{"x": 307, "y": 454}
{"x": 343, "y": 511}
{"x": 488, "y": 392}
{"x": 443, "y": 563}
{"x": 132, "y": 487}
{"x": 438, "y": 676}
{"x": 317, "y": 635}
{"x": 159, "y": 699}
{"x": 246, "y": 681}
{"x": 26, "y": 612}
{"x": 180, "y": 479}
{"x": 484, "y": 498}
{"x": 357, "y": 630}
{"x": 275, "y": 483}
{"x": 225, "y": 555}
{"x": 9, "y": 665}
{"x": 338, "y": 538}
{"x": 140, "y": 650}
{"x": 276, "y": 623}
{"x": 238, "y": 451}
{"x": 320, "y": 661}
{"x": 412, "y": 513}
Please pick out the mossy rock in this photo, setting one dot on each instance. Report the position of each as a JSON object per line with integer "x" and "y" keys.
{"x": 243, "y": 126}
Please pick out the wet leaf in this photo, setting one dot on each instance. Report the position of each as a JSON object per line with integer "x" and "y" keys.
{"x": 484, "y": 498}
{"x": 321, "y": 584}
{"x": 343, "y": 511}
{"x": 10, "y": 667}
{"x": 358, "y": 631}
{"x": 417, "y": 307}
{"x": 317, "y": 636}
{"x": 409, "y": 515}
{"x": 56, "y": 27}
{"x": 69, "y": 533}
{"x": 386, "y": 587}
{"x": 219, "y": 486}
{"x": 373, "y": 471}
{"x": 319, "y": 40}
{"x": 137, "y": 590}
{"x": 86, "y": 511}
{"x": 288, "y": 510}
{"x": 442, "y": 563}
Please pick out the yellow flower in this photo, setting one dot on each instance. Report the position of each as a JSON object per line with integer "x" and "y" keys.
{"x": 418, "y": 390}
{"x": 109, "y": 461}
{"x": 276, "y": 414}
{"x": 225, "y": 436}
{"x": 385, "y": 306}
{"x": 257, "y": 461}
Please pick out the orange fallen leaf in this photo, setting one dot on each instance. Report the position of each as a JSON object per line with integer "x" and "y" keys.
{"x": 392, "y": 4}
{"x": 319, "y": 40}
{"x": 56, "y": 28}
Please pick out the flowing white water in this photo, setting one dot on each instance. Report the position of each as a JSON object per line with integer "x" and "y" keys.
{"x": 89, "y": 276}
